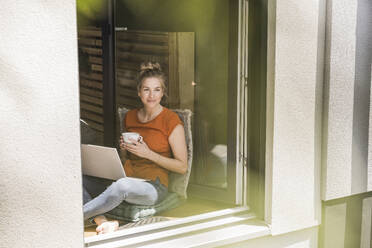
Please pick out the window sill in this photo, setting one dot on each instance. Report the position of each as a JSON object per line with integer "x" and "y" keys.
{"x": 212, "y": 229}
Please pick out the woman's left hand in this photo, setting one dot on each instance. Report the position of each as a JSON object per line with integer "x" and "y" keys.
{"x": 138, "y": 148}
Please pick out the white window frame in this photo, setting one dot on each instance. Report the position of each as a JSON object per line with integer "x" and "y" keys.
{"x": 242, "y": 107}
{"x": 212, "y": 229}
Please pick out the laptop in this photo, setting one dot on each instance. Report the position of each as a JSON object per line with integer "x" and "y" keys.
{"x": 101, "y": 161}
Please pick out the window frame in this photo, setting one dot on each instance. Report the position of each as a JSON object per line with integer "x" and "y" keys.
{"x": 200, "y": 230}
{"x": 251, "y": 211}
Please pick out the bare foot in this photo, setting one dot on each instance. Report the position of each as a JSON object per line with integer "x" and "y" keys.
{"x": 108, "y": 227}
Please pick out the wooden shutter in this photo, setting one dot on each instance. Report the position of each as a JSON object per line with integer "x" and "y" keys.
{"x": 175, "y": 53}
{"x": 91, "y": 78}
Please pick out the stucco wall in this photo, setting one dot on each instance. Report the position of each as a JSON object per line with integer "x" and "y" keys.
{"x": 293, "y": 104}
{"x": 346, "y": 98}
{"x": 40, "y": 182}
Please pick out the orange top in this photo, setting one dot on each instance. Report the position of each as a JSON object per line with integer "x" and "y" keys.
{"x": 155, "y": 133}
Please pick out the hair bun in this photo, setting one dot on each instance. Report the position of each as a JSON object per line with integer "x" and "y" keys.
{"x": 150, "y": 66}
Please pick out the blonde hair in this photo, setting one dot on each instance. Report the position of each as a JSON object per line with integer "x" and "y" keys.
{"x": 151, "y": 69}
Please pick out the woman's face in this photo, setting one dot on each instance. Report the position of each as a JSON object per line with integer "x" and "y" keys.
{"x": 151, "y": 92}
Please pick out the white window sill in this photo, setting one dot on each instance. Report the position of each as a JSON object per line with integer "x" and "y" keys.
{"x": 206, "y": 230}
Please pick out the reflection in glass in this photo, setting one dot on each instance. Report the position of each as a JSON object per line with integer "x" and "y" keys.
{"x": 204, "y": 80}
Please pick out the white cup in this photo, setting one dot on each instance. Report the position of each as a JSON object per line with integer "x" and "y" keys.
{"x": 129, "y": 136}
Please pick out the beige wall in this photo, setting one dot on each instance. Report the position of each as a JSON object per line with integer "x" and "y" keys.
{"x": 346, "y": 98}
{"x": 39, "y": 147}
{"x": 40, "y": 184}
{"x": 293, "y": 123}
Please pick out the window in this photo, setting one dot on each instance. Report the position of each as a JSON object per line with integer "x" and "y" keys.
{"x": 215, "y": 59}
{"x": 195, "y": 54}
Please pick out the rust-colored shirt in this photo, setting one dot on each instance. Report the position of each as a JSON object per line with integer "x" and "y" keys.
{"x": 155, "y": 133}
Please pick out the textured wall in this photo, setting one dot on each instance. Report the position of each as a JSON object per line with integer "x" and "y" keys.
{"x": 346, "y": 98}
{"x": 293, "y": 168}
{"x": 40, "y": 170}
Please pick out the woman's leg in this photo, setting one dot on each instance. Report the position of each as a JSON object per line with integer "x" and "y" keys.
{"x": 94, "y": 186}
{"x": 128, "y": 189}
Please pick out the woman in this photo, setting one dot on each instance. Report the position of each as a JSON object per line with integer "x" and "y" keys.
{"x": 163, "y": 149}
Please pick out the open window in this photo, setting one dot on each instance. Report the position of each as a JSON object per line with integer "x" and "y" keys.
{"x": 214, "y": 54}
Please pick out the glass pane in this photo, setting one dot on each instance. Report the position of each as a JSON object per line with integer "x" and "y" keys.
{"x": 198, "y": 74}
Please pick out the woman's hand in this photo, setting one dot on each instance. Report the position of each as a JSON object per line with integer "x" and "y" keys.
{"x": 139, "y": 149}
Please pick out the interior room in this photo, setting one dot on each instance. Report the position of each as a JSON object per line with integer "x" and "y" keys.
{"x": 196, "y": 44}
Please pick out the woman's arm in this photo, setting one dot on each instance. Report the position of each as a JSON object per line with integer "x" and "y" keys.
{"x": 177, "y": 143}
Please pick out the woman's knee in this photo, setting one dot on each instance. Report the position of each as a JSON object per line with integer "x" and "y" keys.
{"x": 122, "y": 185}
{"x": 152, "y": 199}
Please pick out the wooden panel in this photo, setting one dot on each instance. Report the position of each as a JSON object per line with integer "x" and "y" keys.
{"x": 135, "y": 47}
{"x": 126, "y": 74}
{"x": 89, "y": 33}
{"x": 90, "y": 42}
{"x": 142, "y": 48}
{"x": 93, "y": 76}
{"x": 140, "y": 57}
{"x": 185, "y": 52}
{"x": 95, "y": 60}
{"x": 91, "y": 116}
{"x": 97, "y": 67}
{"x": 91, "y": 84}
{"x": 94, "y": 125}
{"x": 126, "y": 83}
{"x": 91, "y": 79}
{"x": 91, "y": 92}
{"x": 142, "y": 37}
{"x": 91, "y": 51}
{"x": 91, "y": 99}
{"x": 130, "y": 102}
{"x": 127, "y": 92}
{"x": 173, "y": 92}
{"x": 125, "y": 65}
{"x": 95, "y": 109}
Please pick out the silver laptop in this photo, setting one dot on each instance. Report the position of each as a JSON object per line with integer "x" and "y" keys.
{"x": 101, "y": 161}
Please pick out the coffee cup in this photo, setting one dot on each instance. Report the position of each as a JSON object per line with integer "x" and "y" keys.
{"x": 129, "y": 136}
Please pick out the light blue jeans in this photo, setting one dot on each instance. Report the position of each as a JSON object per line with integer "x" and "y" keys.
{"x": 125, "y": 189}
